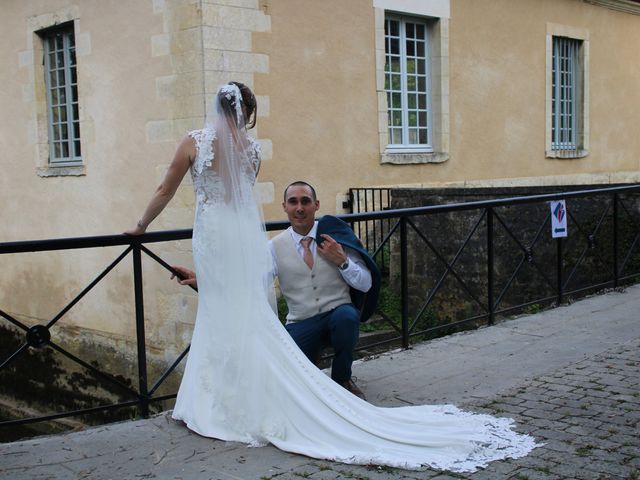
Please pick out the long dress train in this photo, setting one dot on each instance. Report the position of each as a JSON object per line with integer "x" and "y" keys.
{"x": 247, "y": 381}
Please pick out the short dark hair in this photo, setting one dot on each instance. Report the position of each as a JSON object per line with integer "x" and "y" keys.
{"x": 300, "y": 183}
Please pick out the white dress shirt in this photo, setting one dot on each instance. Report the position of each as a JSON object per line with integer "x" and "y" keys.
{"x": 356, "y": 275}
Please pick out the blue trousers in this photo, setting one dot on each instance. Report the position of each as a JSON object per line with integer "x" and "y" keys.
{"x": 339, "y": 328}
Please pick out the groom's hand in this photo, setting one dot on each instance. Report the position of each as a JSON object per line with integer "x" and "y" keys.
{"x": 331, "y": 250}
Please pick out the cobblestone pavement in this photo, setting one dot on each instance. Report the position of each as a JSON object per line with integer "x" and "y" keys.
{"x": 570, "y": 377}
{"x": 587, "y": 415}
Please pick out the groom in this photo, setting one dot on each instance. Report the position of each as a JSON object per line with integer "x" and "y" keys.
{"x": 329, "y": 282}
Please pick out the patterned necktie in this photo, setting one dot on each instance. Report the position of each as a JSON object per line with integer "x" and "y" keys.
{"x": 307, "y": 256}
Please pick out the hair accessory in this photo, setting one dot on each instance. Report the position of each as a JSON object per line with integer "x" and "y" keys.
{"x": 232, "y": 93}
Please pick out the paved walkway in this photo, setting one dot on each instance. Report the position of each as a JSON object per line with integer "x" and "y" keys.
{"x": 568, "y": 376}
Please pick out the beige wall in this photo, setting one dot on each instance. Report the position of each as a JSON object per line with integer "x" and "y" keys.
{"x": 116, "y": 76}
{"x": 498, "y": 93}
{"x": 127, "y": 59}
{"x": 147, "y": 69}
{"x": 321, "y": 85}
{"x": 322, "y": 93}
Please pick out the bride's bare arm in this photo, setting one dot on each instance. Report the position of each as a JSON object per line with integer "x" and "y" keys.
{"x": 181, "y": 162}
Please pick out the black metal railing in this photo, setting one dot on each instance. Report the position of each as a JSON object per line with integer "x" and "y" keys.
{"x": 482, "y": 255}
{"x": 373, "y": 232}
{"x": 594, "y": 256}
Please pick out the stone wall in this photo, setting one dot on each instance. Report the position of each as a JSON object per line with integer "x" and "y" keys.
{"x": 42, "y": 381}
{"x": 521, "y": 240}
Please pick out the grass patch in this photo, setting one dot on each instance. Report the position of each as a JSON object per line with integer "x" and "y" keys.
{"x": 584, "y": 451}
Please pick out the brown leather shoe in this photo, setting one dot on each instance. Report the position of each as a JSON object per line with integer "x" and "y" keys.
{"x": 353, "y": 388}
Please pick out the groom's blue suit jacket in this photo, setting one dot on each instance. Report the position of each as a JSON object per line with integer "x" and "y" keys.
{"x": 342, "y": 233}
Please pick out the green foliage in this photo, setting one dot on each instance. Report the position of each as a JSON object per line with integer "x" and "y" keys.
{"x": 390, "y": 304}
{"x": 389, "y": 307}
{"x": 383, "y": 259}
{"x": 283, "y": 309}
{"x": 584, "y": 451}
{"x": 531, "y": 309}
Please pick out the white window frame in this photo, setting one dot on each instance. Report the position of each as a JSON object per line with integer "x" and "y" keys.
{"x": 436, "y": 15}
{"x": 566, "y": 94}
{"x": 60, "y": 72}
{"x": 567, "y": 100}
{"x": 403, "y": 94}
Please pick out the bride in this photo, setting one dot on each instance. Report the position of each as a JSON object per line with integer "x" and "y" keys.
{"x": 245, "y": 379}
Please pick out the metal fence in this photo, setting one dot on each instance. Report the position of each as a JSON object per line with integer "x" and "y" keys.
{"x": 372, "y": 232}
{"x": 488, "y": 255}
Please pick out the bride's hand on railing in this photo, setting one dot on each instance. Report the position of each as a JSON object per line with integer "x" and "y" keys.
{"x": 139, "y": 229}
{"x": 184, "y": 276}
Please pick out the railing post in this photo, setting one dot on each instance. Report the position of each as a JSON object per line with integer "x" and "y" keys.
{"x": 140, "y": 335}
{"x": 559, "y": 269}
{"x": 490, "y": 261}
{"x": 615, "y": 240}
{"x": 404, "y": 282}
{"x": 366, "y": 224}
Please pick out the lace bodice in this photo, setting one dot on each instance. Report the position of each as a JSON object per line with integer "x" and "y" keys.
{"x": 207, "y": 184}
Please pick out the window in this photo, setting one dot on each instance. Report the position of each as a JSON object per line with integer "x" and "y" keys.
{"x": 62, "y": 96}
{"x": 565, "y": 94}
{"x": 406, "y": 77}
{"x": 412, "y": 80}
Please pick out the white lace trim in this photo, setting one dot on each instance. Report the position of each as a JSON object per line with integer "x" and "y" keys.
{"x": 204, "y": 144}
{"x": 256, "y": 153}
{"x": 208, "y": 187}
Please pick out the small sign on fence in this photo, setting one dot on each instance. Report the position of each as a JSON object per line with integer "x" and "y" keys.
{"x": 558, "y": 218}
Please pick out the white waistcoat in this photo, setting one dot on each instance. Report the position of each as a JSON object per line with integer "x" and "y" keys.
{"x": 307, "y": 292}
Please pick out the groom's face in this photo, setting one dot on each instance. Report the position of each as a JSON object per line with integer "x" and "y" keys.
{"x": 301, "y": 208}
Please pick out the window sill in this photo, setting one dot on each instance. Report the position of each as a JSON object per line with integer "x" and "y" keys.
{"x": 413, "y": 158}
{"x": 69, "y": 171}
{"x": 566, "y": 154}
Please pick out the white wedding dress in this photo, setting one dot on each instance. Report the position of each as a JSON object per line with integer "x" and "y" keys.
{"x": 246, "y": 380}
